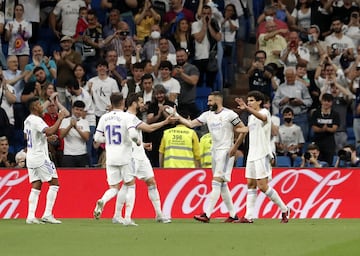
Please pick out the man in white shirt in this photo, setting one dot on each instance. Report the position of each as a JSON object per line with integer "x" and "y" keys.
{"x": 142, "y": 168}
{"x": 221, "y": 123}
{"x": 101, "y": 87}
{"x": 76, "y": 132}
{"x": 117, "y": 131}
{"x": 258, "y": 168}
{"x": 40, "y": 167}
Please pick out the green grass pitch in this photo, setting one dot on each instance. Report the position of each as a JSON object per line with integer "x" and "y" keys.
{"x": 183, "y": 237}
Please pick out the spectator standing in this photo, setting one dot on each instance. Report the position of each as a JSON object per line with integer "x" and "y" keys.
{"x": 92, "y": 44}
{"x": 101, "y": 87}
{"x": 76, "y": 132}
{"x": 18, "y": 32}
{"x": 2, "y": 24}
{"x": 133, "y": 85}
{"x": 144, "y": 19}
{"x": 112, "y": 26}
{"x": 116, "y": 71}
{"x": 65, "y": 60}
{"x": 272, "y": 43}
{"x": 14, "y": 77}
{"x": 174, "y": 15}
{"x": 7, "y": 99}
{"x": 55, "y": 144}
{"x": 206, "y": 32}
{"x": 229, "y": 26}
{"x": 324, "y": 123}
{"x": 262, "y": 77}
{"x": 40, "y": 60}
{"x": 67, "y": 11}
{"x": 151, "y": 46}
{"x": 188, "y": 77}
{"x": 156, "y": 113}
{"x": 182, "y": 37}
{"x": 295, "y": 95}
{"x": 342, "y": 100}
{"x": 294, "y": 53}
{"x": 221, "y": 123}
{"x": 39, "y": 165}
{"x": 171, "y": 85}
{"x": 78, "y": 93}
{"x": 337, "y": 42}
{"x": 302, "y": 18}
{"x": 127, "y": 9}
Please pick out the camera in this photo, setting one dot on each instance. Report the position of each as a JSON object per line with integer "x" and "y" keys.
{"x": 124, "y": 33}
{"x": 344, "y": 155}
{"x": 307, "y": 155}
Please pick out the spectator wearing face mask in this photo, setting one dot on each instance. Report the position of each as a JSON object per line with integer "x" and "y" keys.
{"x": 290, "y": 139}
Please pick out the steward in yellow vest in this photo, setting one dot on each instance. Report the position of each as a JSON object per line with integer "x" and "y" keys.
{"x": 179, "y": 148}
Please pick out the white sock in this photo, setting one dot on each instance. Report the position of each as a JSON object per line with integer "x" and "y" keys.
{"x": 109, "y": 194}
{"x": 226, "y": 196}
{"x": 154, "y": 196}
{"x": 250, "y": 203}
{"x": 120, "y": 200}
{"x": 130, "y": 201}
{"x": 214, "y": 196}
{"x": 274, "y": 196}
{"x": 50, "y": 199}
{"x": 33, "y": 201}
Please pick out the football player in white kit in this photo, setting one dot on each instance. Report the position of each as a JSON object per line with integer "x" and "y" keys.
{"x": 258, "y": 168}
{"x": 40, "y": 167}
{"x": 141, "y": 165}
{"x": 221, "y": 122}
{"x": 118, "y": 129}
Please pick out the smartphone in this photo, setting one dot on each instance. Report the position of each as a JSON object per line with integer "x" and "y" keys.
{"x": 207, "y": 19}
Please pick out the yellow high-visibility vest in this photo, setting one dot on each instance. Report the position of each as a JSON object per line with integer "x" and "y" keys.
{"x": 205, "y": 151}
{"x": 180, "y": 146}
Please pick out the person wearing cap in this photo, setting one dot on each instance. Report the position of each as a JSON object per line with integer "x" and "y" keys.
{"x": 65, "y": 60}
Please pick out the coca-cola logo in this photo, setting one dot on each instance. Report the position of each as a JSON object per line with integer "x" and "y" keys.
{"x": 8, "y": 206}
{"x": 319, "y": 201}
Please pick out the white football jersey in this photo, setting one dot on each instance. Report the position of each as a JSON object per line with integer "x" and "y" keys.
{"x": 114, "y": 126}
{"x": 259, "y": 136}
{"x": 37, "y": 147}
{"x": 138, "y": 150}
{"x": 221, "y": 127}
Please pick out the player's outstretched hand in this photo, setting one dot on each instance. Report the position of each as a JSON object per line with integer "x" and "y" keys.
{"x": 241, "y": 103}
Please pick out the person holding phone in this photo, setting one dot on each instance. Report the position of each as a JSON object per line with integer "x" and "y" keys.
{"x": 206, "y": 32}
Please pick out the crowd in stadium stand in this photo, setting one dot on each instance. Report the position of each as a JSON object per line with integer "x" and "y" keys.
{"x": 73, "y": 54}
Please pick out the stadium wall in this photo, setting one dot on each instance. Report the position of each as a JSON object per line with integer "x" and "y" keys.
{"x": 311, "y": 193}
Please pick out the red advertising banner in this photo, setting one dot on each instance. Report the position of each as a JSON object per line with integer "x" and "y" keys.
{"x": 311, "y": 193}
